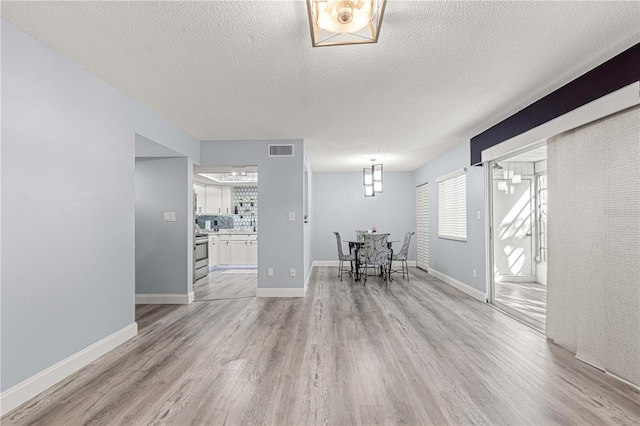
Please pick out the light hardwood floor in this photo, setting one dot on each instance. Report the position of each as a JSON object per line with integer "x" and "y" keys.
{"x": 528, "y": 299}
{"x": 418, "y": 352}
{"x": 221, "y": 285}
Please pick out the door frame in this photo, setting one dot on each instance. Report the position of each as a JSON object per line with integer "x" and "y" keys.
{"x": 489, "y": 232}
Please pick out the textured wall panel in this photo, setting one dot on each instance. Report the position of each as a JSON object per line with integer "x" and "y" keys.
{"x": 593, "y": 301}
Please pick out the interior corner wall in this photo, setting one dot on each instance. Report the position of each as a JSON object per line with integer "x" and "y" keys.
{"x": 340, "y": 205}
{"x": 308, "y": 224}
{"x": 593, "y": 286}
{"x": 457, "y": 259}
{"x": 161, "y": 247}
{"x": 280, "y": 188}
{"x": 68, "y": 206}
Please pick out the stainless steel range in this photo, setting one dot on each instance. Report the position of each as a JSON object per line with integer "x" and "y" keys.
{"x": 200, "y": 256}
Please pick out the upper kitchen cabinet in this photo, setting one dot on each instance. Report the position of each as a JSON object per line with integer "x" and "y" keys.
{"x": 219, "y": 200}
{"x": 214, "y": 199}
{"x": 199, "y": 202}
{"x": 227, "y": 200}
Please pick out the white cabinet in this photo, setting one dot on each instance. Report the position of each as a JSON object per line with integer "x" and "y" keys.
{"x": 239, "y": 250}
{"x": 252, "y": 256}
{"x": 227, "y": 200}
{"x": 219, "y": 200}
{"x": 213, "y": 250}
{"x": 214, "y": 199}
{"x": 224, "y": 250}
{"x": 199, "y": 202}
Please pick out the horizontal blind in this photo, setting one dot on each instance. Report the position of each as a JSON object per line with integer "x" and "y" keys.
{"x": 452, "y": 206}
{"x": 422, "y": 227}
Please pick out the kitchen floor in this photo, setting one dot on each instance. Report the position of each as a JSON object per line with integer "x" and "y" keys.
{"x": 227, "y": 284}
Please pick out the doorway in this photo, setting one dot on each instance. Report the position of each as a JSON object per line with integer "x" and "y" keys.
{"x": 226, "y": 211}
{"x": 518, "y": 228}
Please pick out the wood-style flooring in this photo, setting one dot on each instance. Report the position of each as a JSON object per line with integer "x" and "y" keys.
{"x": 417, "y": 352}
{"x": 527, "y": 299}
{"x": 222, "y": 285}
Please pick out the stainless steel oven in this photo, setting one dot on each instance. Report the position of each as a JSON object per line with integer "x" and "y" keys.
{"x": 200, "y": 256}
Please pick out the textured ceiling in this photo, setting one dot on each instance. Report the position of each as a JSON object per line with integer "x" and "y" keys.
{"x": 440, "y": 73}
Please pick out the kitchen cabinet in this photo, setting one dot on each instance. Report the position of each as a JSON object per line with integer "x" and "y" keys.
{"x": 239, "y": 250}
{"x": 227, "y": 200}
{"x": 213, "y": 250}
{"x": 252, "y": 255}
{"x": 199, "y": 202}
{"x": 224, "y": 250}
{"x": 218, "y": 199}
{"x": 214, "y": 199}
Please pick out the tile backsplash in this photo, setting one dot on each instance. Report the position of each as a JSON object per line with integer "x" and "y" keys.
{"x": 223, "y": 221}
{"x": 245, "y": 204}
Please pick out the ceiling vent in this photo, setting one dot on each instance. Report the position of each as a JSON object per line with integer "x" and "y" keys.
{"x": 280, "y": 150}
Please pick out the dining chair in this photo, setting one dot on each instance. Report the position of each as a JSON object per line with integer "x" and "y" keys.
{"x": 343, "y": 257}
{"x": 375, "y": 254}
{"x": 404, "y": 253}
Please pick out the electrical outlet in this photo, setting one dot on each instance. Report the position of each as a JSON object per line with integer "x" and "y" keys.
{"x": 475, "y": 274}
{"x": 292, "y": 272}
{"x": 478, "y": 215}
{"x": 269, "y": 272}
{"x": 292, "y": 216}
{"x": 169, "y": 216}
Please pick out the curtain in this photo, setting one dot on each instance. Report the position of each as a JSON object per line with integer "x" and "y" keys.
{"x": 593, "y": 298}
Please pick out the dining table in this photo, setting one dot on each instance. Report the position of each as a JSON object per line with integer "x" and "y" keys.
{"x": 354, "y": 248}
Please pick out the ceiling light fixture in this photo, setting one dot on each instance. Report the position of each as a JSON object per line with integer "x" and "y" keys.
{"x": 339, "y": 22}
{"x": 372, "y": 179}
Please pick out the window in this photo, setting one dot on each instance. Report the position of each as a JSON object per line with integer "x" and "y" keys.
{"x": 452, "y": 206}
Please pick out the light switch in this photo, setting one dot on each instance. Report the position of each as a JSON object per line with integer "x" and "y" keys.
{"x": 292, "y": 216}
{"x": 169, "y": 216}
{"x": 478, "y": 214}
{"x": 269, "y": 272}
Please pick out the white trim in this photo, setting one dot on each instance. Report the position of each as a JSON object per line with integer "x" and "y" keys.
{"x": 281, "y": 292}
{"x": 165, "y": 299}
{"x": 306, "y": 282}
{"x": 22, "y": 392}
{"x": 325, "y": 263}
{"x": 452, "y": 175}
{"x": 633, "y": 385}
{"x": 465, "y": 288}
{"x": 619, "y": 100}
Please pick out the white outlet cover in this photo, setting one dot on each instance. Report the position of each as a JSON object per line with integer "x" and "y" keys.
{"x": 269, "y": 272}
{"x": 292, "y": 216}
{"x": 169, "y": 216}
{"x": 292, "y": 272}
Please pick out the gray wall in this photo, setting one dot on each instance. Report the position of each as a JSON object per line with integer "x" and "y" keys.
{"x": 340, "y": 205}
{"x": 280, "y": 188}
{"x": 161, "y": 247}
{"x": 457, "y": 259}
{"x": 68, "y": 205}
{"x": 308, "y": 234}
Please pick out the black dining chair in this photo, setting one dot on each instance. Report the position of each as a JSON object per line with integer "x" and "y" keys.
{"x": 403, "y": 254}
{"x": 343, "y": 257}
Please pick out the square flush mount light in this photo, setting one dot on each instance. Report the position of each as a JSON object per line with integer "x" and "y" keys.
{"x": 338, "y": 22}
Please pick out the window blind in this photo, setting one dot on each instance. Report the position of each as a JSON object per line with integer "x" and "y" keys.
{"x": 452, "y": 206}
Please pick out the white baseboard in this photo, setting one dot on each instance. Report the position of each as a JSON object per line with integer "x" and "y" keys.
{"x": 325, "y": 263}
{"x": 165, "y": 299}
{"x": 465, "y": 288}
{"x": 281, "y": 292}
{"x": 22, "y": 392}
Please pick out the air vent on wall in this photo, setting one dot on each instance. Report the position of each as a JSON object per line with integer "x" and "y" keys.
{"x": 280, "y": 150}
